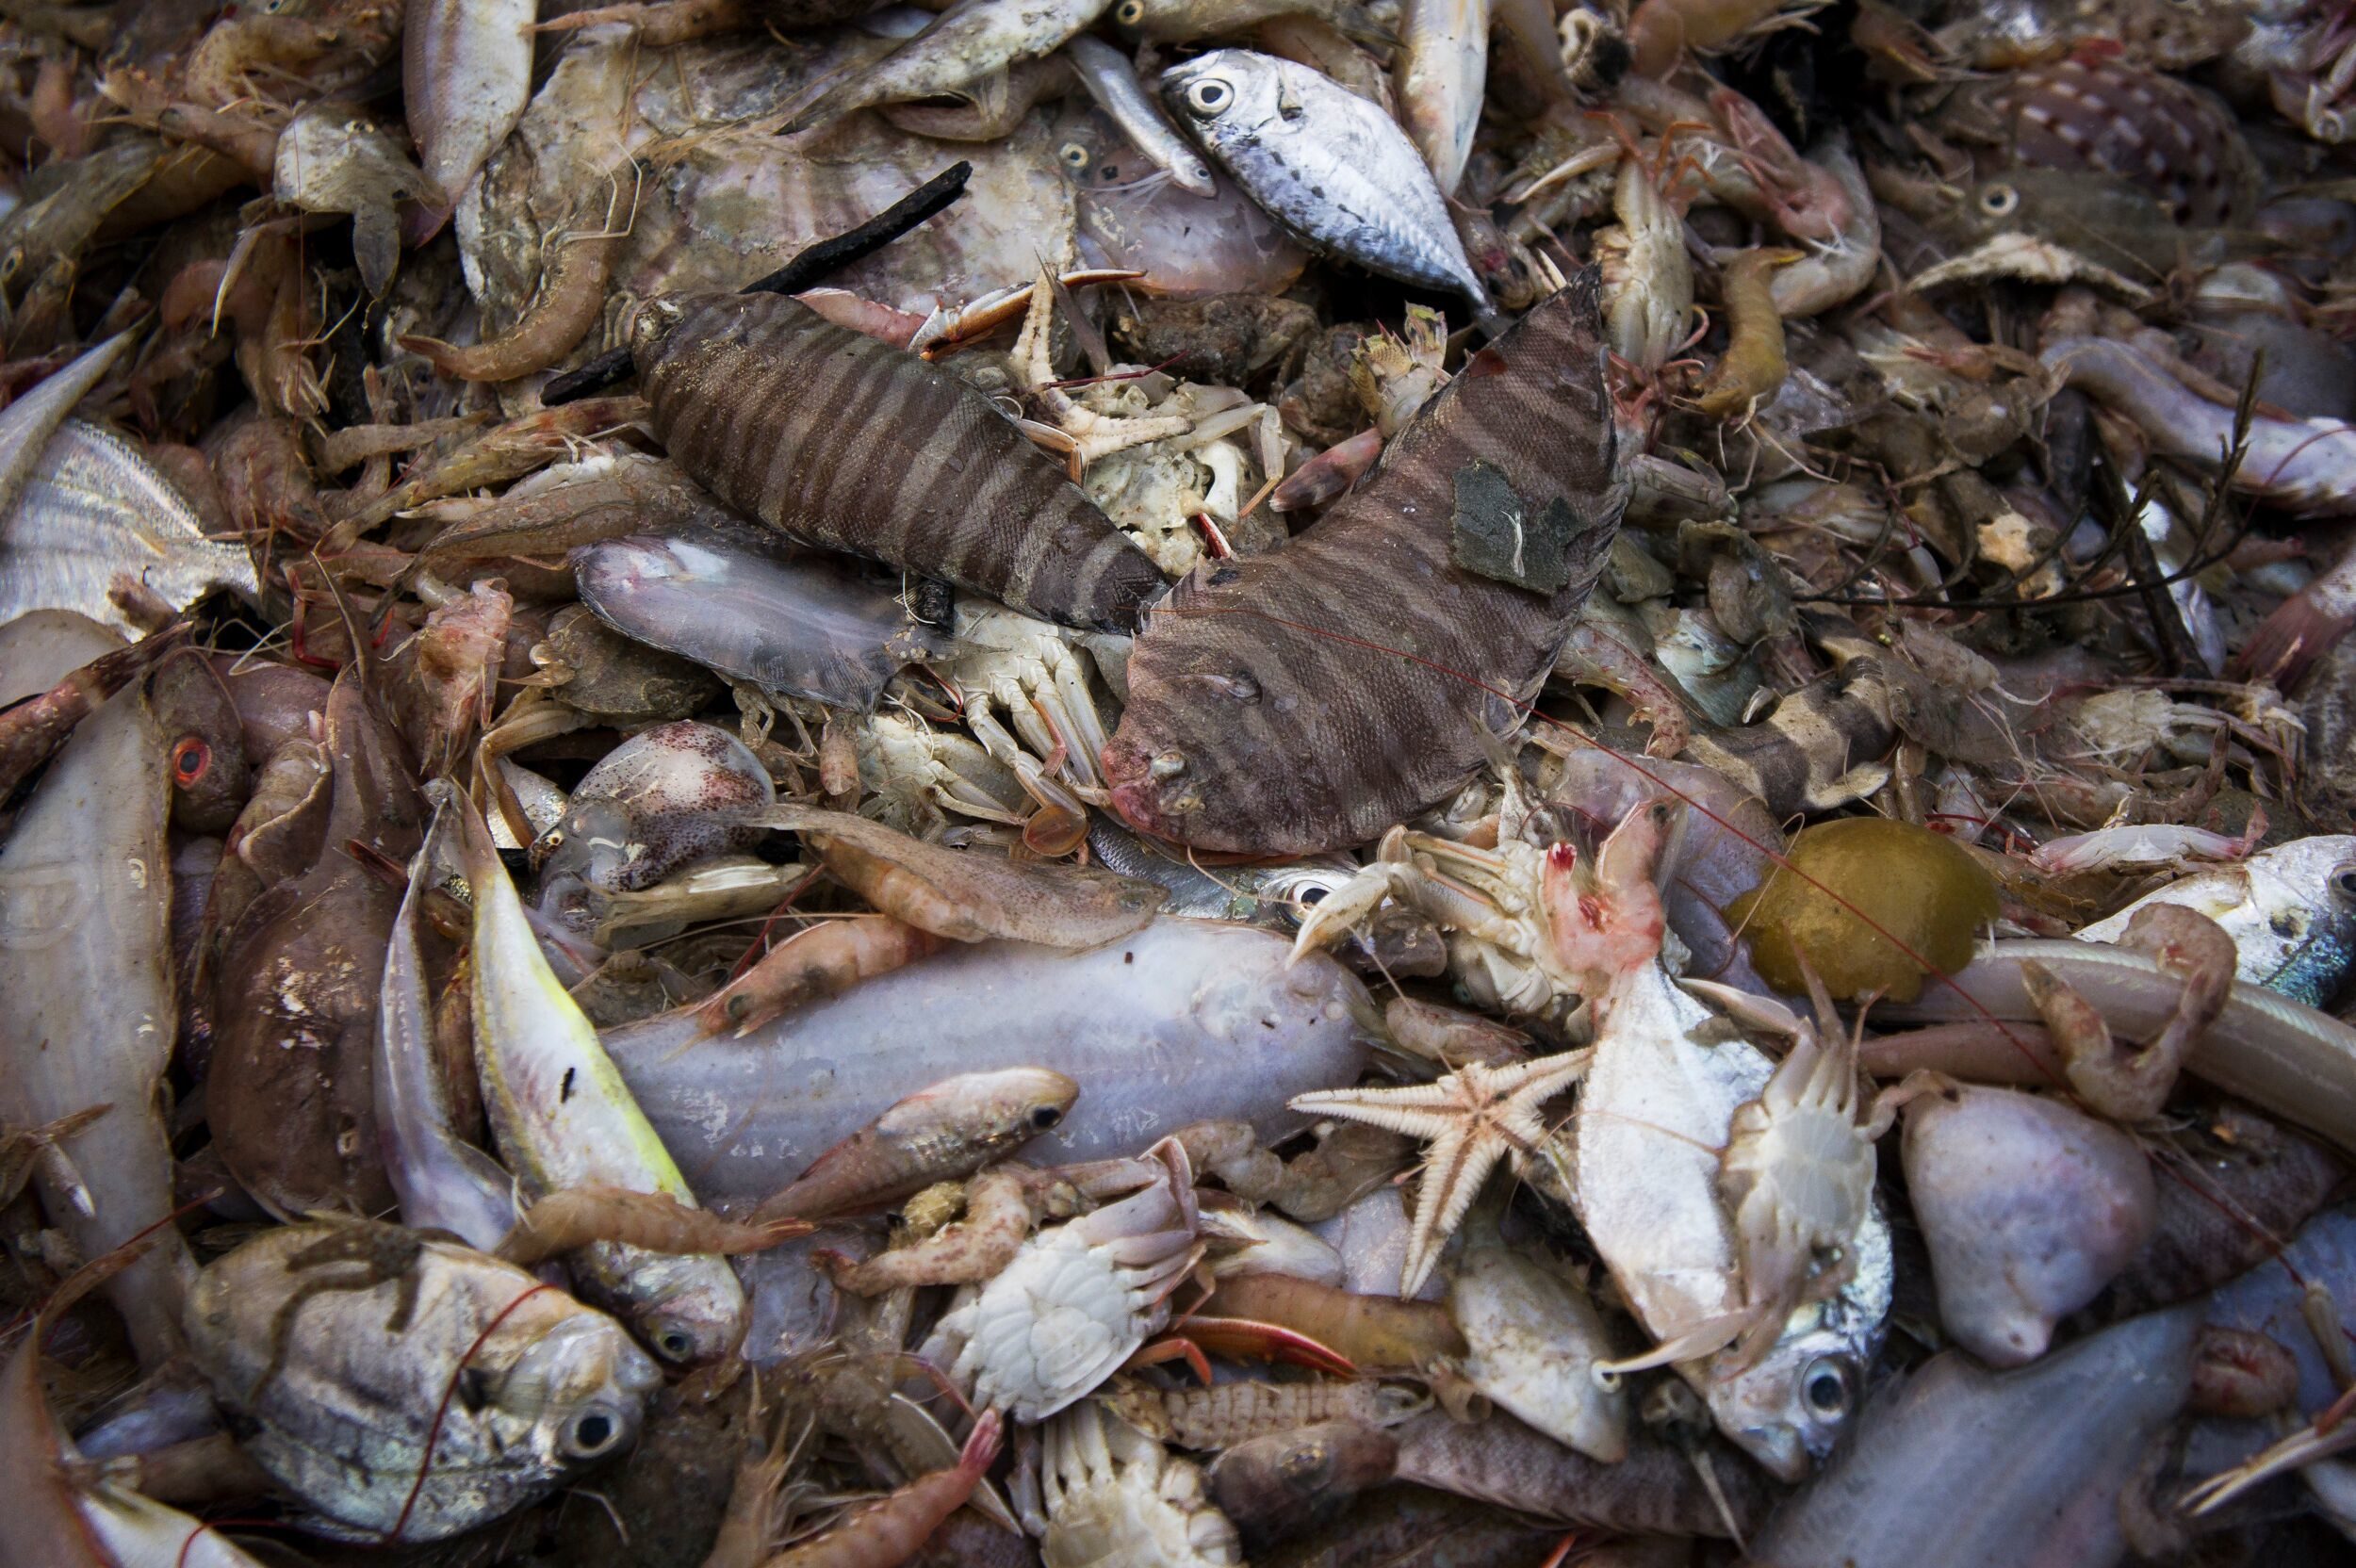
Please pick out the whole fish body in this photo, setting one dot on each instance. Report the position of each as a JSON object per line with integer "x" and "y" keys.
{"x": 847, "y": 442}
{"x": 563, "y": 1117}
{"x": 91, "y": 510}
{"x": 1309, "y": 698}
{"x": 1185, "y": 1021}
{"x": 1328, "y": 164}
{"x": 2291, "y": 911}
{"x": 358, "y": 1415}
{"x": 804, "y": 628}
{"x": 86, "y": 971}
{"x": 443, "y": 1182}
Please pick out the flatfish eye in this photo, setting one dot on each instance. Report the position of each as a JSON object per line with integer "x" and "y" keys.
{"x": 1129, "y": 12}
{"x": 190, "y": 760}
{"x": 1209, "y": 96}
{"x": 1075, "y": 157}
{"x": 1999, "y": 200}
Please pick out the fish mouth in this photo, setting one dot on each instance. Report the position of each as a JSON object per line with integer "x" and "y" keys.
{"x": 1135, "y": 798}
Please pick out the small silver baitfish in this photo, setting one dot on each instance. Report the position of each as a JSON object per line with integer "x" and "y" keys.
{"x": 94, "y": 510}
{"x": 1325, "y": 163}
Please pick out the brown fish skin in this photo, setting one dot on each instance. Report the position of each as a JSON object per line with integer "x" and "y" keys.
{"x": 1265, "y": 716}
{"x": 295, "y": 1000}
{"x": 2178, "y": 141}
{"x": 847, "y": 442}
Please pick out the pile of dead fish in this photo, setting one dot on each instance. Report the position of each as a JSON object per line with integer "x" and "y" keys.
{"x": 1172, "y": 782}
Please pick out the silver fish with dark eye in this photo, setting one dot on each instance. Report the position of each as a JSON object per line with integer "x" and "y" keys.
{"x": 364, "y": 1354}
{"x": 1324, "y": 162}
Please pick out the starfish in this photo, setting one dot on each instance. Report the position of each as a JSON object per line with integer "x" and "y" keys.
{"x": 1472, "y": 1119}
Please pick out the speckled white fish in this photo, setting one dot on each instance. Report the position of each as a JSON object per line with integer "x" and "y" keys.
{"x": 2291, "y": 911}
{"x": 1325, "y": 163}
{"x": 93, "y": 509}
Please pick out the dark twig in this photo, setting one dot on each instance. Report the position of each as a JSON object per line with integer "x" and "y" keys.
{"x": 808, "y": 267}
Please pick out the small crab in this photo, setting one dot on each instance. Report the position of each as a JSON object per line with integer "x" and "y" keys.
{"x": 1033, "y": 673}
{"x": 1081, "y": 432}
{"x": 1112, "y": 1494}
{"x": 1077, "y": 1300}
{"x": 385, "y": 1253}
{"x": 1527, "y": 926}
{"x": 1796, "y": 1175}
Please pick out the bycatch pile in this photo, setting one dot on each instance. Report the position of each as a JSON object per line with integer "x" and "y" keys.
{"x": 1173, "y": 783}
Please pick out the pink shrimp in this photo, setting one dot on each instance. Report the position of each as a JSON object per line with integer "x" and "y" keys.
{"x": 892, "y": 1528}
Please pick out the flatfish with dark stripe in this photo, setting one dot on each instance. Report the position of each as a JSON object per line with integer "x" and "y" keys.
{"x": 1311, "y": 697}
{"x": 843, "y": 441}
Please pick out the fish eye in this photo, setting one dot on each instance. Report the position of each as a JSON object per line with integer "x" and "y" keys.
{"x": 1999, "y": 200}
{"x": 1208, "y": 96}
{"x": 1314, "y": 895}
{"x": 1130, "y": 12}
{"x": 1826, "y": 1387}
{"x": 1044, "y": 1116}
{"x": 2343, "y": 882}
{"x": 675, "y": 1344}
{"x": 1074, "y": 156}
{"x": 191, "y": 759}
{"x": 592, "y": 1433}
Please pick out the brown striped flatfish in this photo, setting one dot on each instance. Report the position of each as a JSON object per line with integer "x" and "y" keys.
{"x": 2176, "y": 140}
{"x": 849, "y": 443}
{"x": 1311, "y": 697}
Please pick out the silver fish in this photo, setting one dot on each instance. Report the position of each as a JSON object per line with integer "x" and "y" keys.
{"x": 92, "y": 510}
{"x": 2042, "y": 1453}
{"x": 803, "y": 627}
{"x": 28, "y": 423}
{"x": 444, "y": 1183}
{"x": 1443, "y": 75}
{"x": 86, "y": 969}
{"x": 343, "y": 1421}
{"x": 2291, "y": 911}
{"x": 1184, "y": 1020}
{"x": 1325, "y": 163}
{"x": 1111, "y": 79}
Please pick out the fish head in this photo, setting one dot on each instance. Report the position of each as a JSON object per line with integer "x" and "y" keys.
{"x": 1226, "y": 98}
{"x": 652, "y": 324}
{"x": 993, "y": 1112}
{"x": 689, "y": 1309}
{"x": 577, "y": 1394}
{"x": 1790, "y": 1408}
{"x": 205, "y": 740}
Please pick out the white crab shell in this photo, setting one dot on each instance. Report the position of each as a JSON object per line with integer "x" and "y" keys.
{"x": 1116, "y": 1497}
{"x": 1077, "y": 1300}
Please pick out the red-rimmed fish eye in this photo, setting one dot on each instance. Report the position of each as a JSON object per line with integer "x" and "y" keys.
{"x": 190, "y": 760}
